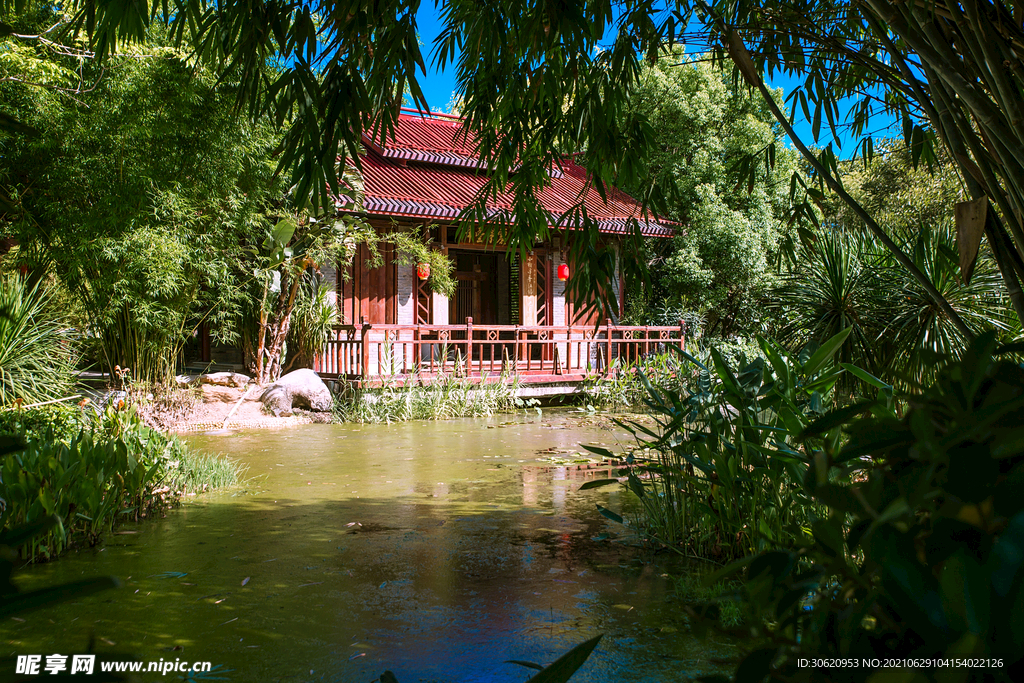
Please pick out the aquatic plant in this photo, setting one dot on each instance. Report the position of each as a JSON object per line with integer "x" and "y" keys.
{"x": 623, "y": 385}
{"x": 94, "y": 472}
{"x": 718, "y": 476}
{"x": 722, "y": 597}
{"x": 447, "y": 396}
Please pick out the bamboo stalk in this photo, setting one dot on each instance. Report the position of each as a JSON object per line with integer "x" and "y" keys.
{"x": 927, "y": 47}
{"x": 42, "y": 403}
{"x": 235, "y": 407}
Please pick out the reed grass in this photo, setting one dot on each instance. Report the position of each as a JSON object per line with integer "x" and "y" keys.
{"x": 446, "y": 396}
{"x": 36, "y": 354}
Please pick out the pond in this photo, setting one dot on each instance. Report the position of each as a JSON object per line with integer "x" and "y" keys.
{"x": 435, "y": 550}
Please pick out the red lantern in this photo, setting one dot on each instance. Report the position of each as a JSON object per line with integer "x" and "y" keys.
{"x": 563, "y": 271}
{"x": 423, "y": 270}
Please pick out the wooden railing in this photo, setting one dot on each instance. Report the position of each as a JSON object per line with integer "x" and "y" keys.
{"x": 373, "y": 353}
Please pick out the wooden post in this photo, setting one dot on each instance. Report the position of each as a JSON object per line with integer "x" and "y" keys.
{"x": 568, "y": 347}
{"x": 518, "y": 349}
{"x": 469, "y": 346}
{"x": 682, "y": 335}
{"x": 365, "y": 370}
{"x": 417, "y": 351}
{"x": 608, "y": 341}
{"x": 528, "y": 290}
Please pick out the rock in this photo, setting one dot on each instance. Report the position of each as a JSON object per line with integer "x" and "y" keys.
{"x": 216, "y": 394}
{"x": 185, "y": 380}
{"x": 299, "y": 389}
{"x": 225, "y": 379}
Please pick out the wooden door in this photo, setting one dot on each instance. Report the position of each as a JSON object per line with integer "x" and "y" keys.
{"x": 369, "y": 292}
{"x": 475, "y": 292}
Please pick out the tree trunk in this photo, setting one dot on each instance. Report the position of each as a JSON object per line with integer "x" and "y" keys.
{"x": 274, "y": 333}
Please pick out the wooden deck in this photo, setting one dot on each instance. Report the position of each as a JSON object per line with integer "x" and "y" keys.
{"x": 371, "y": 355}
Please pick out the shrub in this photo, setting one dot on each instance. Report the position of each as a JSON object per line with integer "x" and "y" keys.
{"x": 919, "y": 549}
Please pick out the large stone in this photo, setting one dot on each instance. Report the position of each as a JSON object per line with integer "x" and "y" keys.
{"x": 218, "y": 394}
{"x": 225, "y": 379}
{"x": 299, "y": 389}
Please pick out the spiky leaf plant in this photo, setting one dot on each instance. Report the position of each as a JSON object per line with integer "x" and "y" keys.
{"x": 36, "y": 354}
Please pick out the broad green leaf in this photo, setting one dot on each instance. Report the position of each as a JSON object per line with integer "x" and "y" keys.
{"x": 282, "y": 232}
{"x": 685, "y": 354}
{"x": 598, "y": 483}
{"x": 598, "y": 450}
{"x": 614, "y": 516}
{"x": 565, "y": 666}
{"x": 833, "y": 419}
{"x": 865, "y": 376}
{"x": 825, "y": 352}
{"x": 725, "y": 374}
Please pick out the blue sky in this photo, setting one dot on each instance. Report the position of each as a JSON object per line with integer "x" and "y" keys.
{"x": 438, "y": 87}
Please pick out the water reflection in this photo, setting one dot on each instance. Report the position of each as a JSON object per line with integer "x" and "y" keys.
{"x": 435, "y": 550}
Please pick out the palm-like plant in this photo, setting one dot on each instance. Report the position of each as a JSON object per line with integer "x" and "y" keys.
{"x": 312, "y": 319}
{"x": 850, "y": 281}
{"x": 831, "y": 290}
{"x": 917, "y": 331}
{"x": 36, "y": 358}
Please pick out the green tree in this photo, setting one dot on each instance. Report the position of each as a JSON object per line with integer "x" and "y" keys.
{"x": 900, "y": 195}
{"x": 534, "y": 83}
{"x": 723, "y": 260}
{"x": 139, "y": 195}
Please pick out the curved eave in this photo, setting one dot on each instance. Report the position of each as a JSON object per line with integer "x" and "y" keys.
{"x": 380, "y": 207}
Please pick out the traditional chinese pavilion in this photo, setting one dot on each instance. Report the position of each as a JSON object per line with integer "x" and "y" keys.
{"x": 507, "y": 315}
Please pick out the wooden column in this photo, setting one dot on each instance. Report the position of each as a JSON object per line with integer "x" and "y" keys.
{"x": 469, "y": 347}
{"x": 365, "y": 350}
{"x": 439, "y": 305}
{"x": 528, "y": 290}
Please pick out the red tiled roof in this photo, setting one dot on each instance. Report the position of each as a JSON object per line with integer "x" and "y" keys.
{"x": 429, "y": 170}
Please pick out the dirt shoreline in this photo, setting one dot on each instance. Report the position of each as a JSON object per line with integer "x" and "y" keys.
{"x": 211, "y": 405}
